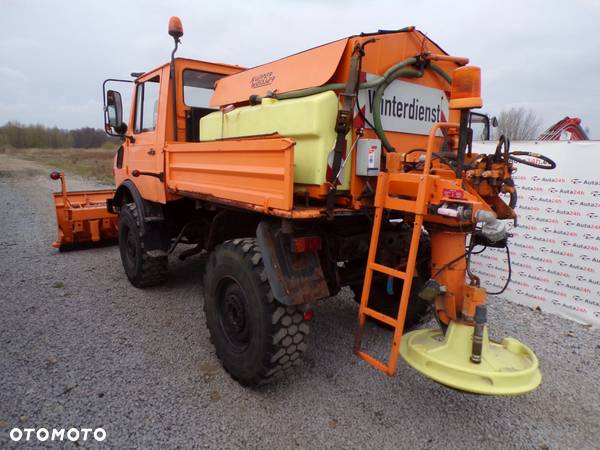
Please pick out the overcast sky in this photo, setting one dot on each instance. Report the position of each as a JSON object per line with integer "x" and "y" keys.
{"x": 54, "y": 55}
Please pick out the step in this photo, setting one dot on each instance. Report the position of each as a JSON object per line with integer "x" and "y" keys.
{"x": 379, "y": 316}
{"x": 387, "y": 270}
{"x": 376, "y": 363}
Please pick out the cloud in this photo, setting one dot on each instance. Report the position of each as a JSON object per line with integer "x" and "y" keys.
{"x": 8, "y": 74}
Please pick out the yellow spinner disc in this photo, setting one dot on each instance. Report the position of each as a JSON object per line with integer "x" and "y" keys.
{"x": 506, "y": 368}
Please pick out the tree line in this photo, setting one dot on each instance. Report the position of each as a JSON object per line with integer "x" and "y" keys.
{"x": 18, "y": 135}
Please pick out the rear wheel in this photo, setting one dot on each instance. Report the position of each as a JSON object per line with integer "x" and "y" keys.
{"x": 256, "y": 338}
{"x": 142, "y": 268}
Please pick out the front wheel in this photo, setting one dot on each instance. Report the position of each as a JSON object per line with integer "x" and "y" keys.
{"x": 142, "y": 268}
{"x": 256, "y": 338}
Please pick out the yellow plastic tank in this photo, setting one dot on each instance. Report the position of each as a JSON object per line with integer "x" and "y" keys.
{"x": 310, "y": 121}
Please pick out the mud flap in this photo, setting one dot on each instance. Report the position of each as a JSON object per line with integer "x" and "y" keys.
{"x": 295, "y": 278}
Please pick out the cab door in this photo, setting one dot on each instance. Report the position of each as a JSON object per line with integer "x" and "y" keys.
{"x": 144, "y": 151}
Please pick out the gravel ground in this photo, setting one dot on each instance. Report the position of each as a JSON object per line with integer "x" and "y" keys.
{"x": 96, "y": 352}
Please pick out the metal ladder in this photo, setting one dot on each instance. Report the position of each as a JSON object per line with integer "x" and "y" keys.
{"x": 390, "y": 185}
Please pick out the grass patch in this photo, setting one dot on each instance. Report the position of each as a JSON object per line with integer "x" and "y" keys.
{"x": 86, "y": 162}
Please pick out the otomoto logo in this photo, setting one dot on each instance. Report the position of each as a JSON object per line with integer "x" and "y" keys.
{"x": 57, "y": 434}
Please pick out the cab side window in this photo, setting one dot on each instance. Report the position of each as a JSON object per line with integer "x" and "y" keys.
{"x": 146, "y": 105}
{"x": 198, "y": 88}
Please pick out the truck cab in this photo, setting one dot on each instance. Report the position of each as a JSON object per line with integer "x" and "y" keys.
{"x": 155, "y": 119}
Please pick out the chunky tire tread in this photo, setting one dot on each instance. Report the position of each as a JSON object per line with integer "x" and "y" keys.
{"x": 286, "y": 329}
{"x": 153, "y": 269}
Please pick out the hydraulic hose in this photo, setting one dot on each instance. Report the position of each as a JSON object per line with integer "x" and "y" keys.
{"x": 549, "y": 164}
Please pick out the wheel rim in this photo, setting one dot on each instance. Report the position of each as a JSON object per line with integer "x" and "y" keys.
{"x": 130, "y": 247}
{"x": 233, "y": 314}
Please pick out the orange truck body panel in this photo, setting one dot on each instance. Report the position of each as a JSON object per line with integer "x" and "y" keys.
{"x": 318, "y": 66}
{"x": 258, "y": 172}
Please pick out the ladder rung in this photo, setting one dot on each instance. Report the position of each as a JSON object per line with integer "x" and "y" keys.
{"x": 400, "y": 204}
{"x": 374, "y": 362}
{"x": 387, "y": 270}
{"x": 381, "y": 317}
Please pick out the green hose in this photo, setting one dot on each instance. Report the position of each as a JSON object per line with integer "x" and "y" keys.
{"x": 400, "y": 65}
{"x": 394, "y": 72}
{"x": 306, "y": 92}
{"x": 339, "y": 86}
{"x": 400, "y": 72}
{"x": 380, "y": 84}
{"x": 437, "y": 69}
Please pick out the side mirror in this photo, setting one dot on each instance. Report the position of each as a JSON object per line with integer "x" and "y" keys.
{"x": 494, "y": 122}
{"x": 114, "y": 112}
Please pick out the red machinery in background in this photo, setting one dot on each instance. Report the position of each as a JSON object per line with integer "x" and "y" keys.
{"x": 568, "y": 129}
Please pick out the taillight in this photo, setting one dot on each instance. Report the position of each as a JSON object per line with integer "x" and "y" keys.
{"x": 308, "y": 315}
{"x": 135, "y": 173}
{"x": 55, "y": 175}
{"x": 305, "y": 244}
{"x": 466, "y": 88}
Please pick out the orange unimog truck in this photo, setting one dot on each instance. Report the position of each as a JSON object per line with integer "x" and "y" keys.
{"x": 349, "y": 164}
